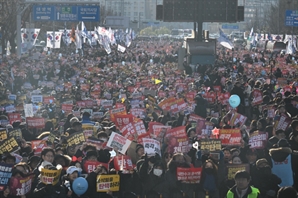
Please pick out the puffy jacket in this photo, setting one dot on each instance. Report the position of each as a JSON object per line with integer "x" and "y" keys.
{"x": 251, "y": 193}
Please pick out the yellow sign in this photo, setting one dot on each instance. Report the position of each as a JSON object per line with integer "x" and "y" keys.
{"x": 232, "y": 169}
{"x": 105, "y": 183}
{"x": 3, "y": 135}
{"x": 76, "y": 139}
{"x": 50, "y": 176}
{"x": 211, "y": 144}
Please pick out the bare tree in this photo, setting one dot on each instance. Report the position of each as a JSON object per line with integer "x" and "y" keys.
{"x": 275, "y": 17}
{"x": 8, "y": 21}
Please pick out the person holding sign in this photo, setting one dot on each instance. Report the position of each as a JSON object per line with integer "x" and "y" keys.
{"x": 154, "y": 183}
{"x": 49, "y": 185}
{"x": 71, "y": 174}
{"x": 209, "y": 180}
{"x": 242, "y": 188}
{"x": 92, "y": 183}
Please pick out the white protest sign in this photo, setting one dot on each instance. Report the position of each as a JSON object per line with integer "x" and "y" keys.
{"x": 28, "y": 108}
{"x": 151, "y": 146}
{"x": 119, "y": 142}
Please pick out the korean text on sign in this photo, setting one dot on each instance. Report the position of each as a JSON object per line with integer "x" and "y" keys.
{"x": 105, "y": 183}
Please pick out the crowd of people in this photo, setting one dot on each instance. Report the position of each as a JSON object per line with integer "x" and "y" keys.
{"x": 134, "y": 125}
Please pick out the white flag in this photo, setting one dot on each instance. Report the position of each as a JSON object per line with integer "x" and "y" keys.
{"x": 120, "y": 48}
{"x": 224, "y": 40}
{"x": 66, "y": 36}
{"x": 78, "y": 38}
{"x": 289, "y": 49}
{"x": 106, "y": 44}
{"x": 85, "y": 33}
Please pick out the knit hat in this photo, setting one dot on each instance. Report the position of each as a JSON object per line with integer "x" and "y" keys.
{"x": 261, "y": 161}
{"x": 139, "y": 146}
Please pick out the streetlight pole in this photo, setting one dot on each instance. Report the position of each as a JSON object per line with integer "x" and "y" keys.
{"x": 20, "y": 11}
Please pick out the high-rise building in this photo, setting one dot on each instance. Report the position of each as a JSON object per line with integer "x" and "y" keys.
{"x": 137, "y": 10}
{"x": 256, "y": 8}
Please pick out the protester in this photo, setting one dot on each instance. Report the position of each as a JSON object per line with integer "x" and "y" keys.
{"x": 130, "y": 124}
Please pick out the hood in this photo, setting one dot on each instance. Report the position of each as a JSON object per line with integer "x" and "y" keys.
{"x": 280, "y": 154}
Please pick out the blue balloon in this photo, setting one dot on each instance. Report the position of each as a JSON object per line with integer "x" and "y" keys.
{"x": 80, "y": 185}
{"x": 234, "y": 101}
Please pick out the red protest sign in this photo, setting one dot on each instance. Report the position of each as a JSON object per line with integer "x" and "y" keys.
{"x": 189, "y": 175}
{"x": 48, "y": 99}
{"x": 257, "y": 96}
{"x": 177, "y": 140}
{"x": 117, "y": 111}
{"x": 128, "y": 131}
{"x": 194, "y": 118}
{"x": 238, "y": 120}
{"x": 122, "y": 163}
{"x": 38, "y": 145}
{"x": 210, "y": 97}
{"x": 223, "y": 98}
{"x": 90, "y": 166}
{"x": 140, "y": 128}
{"x": 166, "y": 104}
{"x": 157, "y": 130}
{"x": 14, "y": 117}
{"x": 85, "y": 104}
{"x": 35, "y": 122}
{"x": 204, "y": 128}
{"x": 85, "y": 87}
{"x": 258, "y": 140}
{"x": 270, "y": 110}
{"x": 190, "y": 96}
{"x": 121, "y": 120}
{"x": 230, "y": 137}
{"x": 119, "y": 105}
{"x": 283, "y": 122}
{"x": 67, "y": 107}
{"x": 20, "y": 186}
{"x": 95, "y": 94}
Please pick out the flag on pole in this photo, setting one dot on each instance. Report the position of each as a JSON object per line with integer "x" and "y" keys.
{"x": 78, "y": 38}
{"x": 66, "y": 36}
{"x": 85, "y": 34}
{"x": 53, "y": 39}
{"x": 251, "y": 33}
{"x": 224, "y": 40}
{"x": 106, "y": 44}
{"x": 289, "y": 49}
{"x": 156, "y": 81}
